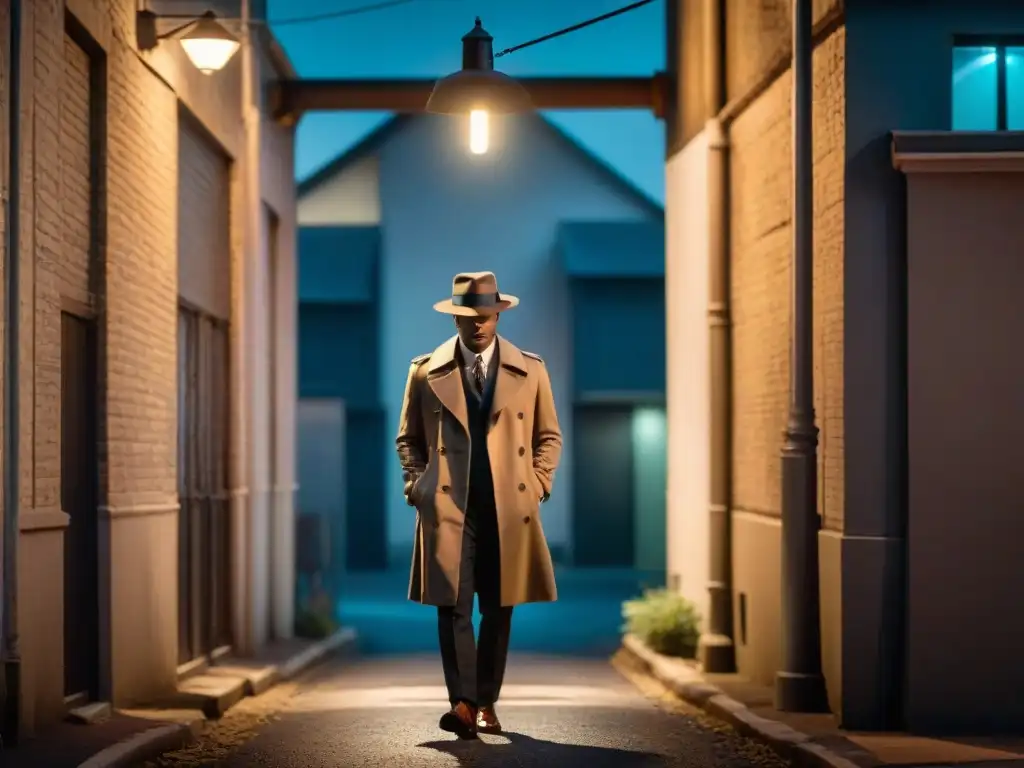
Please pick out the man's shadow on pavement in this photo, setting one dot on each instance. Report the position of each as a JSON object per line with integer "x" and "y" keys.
{"x": 526, "y": 750}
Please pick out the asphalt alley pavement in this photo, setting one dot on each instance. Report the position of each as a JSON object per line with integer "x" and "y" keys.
{"x": 558, "y": 712}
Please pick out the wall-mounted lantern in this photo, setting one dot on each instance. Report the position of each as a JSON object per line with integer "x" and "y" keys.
{"x": 206, "y": 43}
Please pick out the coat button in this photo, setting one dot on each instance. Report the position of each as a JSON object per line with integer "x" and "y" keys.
{"x": 522, "y": 486}
{"x": 442, "y": 450}
{"x": 522, "y": 451}
{"x": 445, "y": 489}
{"x": 520, "y": 414}
{"x": 526, "y": 519}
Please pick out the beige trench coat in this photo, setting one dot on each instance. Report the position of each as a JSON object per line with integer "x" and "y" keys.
{"x": 524, "y": 443}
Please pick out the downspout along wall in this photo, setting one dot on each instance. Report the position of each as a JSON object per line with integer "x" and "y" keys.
{"x": 717, "y": 646}
{"x": 11, "y": 679}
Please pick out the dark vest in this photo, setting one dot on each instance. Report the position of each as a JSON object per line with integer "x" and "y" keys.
{"x": 478, "y": 408}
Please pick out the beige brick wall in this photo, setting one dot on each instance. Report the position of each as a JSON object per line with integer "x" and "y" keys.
{"x": 76, "y": 175}
{"x": 141, "y": 281}
{"x": 755, "y": 32}
{"x": 761, "y": 178}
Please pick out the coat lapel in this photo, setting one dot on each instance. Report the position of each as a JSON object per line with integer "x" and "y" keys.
{"x": 445, "y": 380}
{"x": 510, "y": 378}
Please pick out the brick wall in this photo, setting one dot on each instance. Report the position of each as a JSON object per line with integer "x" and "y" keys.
{"x": 133, "y": 225}
{"x": 761, "y": 248}
{"x": 141, "y": 282}
{"x": 755, "y": 32}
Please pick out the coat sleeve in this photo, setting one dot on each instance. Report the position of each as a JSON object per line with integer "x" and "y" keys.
{"x": 412, "y": 447}
{"x": 547, "y": 435}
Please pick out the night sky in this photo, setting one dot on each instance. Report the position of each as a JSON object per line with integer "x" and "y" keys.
{"x": 421, "y": 38}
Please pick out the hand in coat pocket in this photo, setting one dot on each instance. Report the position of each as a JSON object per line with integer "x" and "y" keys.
{"x": 409, "y": 489}
{"x": 538, "y": 487}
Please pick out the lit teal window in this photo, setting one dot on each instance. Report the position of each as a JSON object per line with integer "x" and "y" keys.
{"x": 988, "y": 87}
{"x": 1015, "y": 88}
{"x": 975, "y": 89}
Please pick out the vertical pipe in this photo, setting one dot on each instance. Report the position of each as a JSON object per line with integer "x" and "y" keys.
{"x": 11, "y": 681}
{"x": 800, "y": 685}
{"x": 246, "y": 589}
{"x": 718, "y": 652}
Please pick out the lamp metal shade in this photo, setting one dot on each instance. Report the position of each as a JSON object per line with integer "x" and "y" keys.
{"x": 209, "y": 45}
{"x": 477, "y": 85}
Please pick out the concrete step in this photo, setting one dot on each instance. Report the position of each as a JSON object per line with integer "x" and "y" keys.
{"x": 257, "y": 677}
{"x": 90, "y": 714}
{"x": 213, "y": 695}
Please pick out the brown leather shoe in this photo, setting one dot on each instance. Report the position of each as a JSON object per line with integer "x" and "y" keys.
{"x": 460, "y": 720}
{"x": 487, "y": 721}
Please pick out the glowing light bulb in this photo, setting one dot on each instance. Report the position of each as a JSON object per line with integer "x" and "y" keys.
{"x": 209, "y": 55}
{"x": 479, "y": 137}
{"x": 209, "y": 45}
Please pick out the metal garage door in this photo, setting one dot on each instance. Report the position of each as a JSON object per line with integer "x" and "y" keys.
{"x": 204, "y": 259}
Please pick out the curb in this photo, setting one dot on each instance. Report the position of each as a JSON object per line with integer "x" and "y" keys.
{"x": 316, "y": 652}
{"x": 167, "y": 737}
{"x": 141, "y": 747}
{"x": 687, "y": 683}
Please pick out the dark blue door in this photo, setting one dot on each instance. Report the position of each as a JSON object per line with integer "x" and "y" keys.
{"x": 603, "y": 508}
{"x": 366, "y": 511}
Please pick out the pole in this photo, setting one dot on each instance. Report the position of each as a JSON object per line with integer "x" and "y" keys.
{"x": 800, "y": 685}
{"x": 717, "y": 647}
{"x": 11, "y": 679}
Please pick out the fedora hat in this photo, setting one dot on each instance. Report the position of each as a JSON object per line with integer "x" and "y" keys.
{"x": 476, "y": 293}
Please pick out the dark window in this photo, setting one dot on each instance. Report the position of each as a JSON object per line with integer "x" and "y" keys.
{"x": 988, "y": 85}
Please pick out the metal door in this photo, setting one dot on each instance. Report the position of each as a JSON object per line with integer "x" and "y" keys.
{"x": 78, "y": 498}
{"x": 204, "y": 566}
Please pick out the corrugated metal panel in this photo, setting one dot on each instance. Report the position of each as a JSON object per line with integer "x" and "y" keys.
{"x": 75, "y": 156}
{"x": 338, "y": 264}
{"x": 204, "y": 221}
{"x": 613, "y": 248}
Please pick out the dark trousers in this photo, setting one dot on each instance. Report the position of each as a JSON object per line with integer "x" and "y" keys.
{"x": 474, "y": 670}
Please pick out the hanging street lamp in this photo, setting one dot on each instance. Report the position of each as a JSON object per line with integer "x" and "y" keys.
{"x": 479, "y": 91}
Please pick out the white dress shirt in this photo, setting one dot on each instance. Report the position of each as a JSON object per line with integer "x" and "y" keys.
{"x": 469, "y": 358}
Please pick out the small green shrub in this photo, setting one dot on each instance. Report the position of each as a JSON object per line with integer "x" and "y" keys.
{"x": 315, "y": 614}
{"x": 665, "y": 621}
{"x": 314, "y": 626}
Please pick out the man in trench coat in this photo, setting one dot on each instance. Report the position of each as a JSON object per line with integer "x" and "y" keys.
{"x": 479, "y": 444}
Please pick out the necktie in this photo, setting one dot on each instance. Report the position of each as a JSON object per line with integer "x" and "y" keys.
{"x": 478, "y": 374}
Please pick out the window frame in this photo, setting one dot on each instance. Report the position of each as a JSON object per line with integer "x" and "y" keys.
{"x": 1000, "y": 43}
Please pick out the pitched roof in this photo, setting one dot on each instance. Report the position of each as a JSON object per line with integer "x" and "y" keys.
{"x": 338, "y": 264}
{"x": 613, "y": 249}
{"x": 383, "y": 132}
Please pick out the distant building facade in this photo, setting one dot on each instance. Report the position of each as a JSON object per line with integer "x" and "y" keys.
{"x": 916, "y": 320}
{"x": 384, "y": 228}
{"x": 157, "y": 384}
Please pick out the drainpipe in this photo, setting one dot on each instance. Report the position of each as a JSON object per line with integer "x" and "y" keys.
{"x": 799, "y": 684}
{"x": 11, "y": 681}
{"x": 716, "y": 645}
